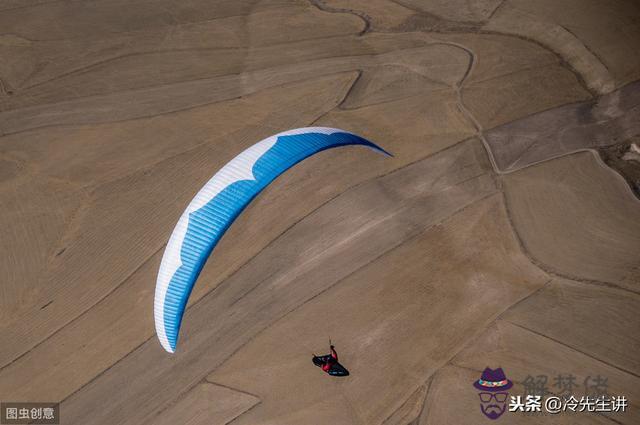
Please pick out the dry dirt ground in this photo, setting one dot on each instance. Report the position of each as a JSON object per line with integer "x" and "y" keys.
{"x": 496, "y": 235}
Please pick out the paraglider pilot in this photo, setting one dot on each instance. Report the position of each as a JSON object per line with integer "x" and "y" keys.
{"x": 329, "y": 363}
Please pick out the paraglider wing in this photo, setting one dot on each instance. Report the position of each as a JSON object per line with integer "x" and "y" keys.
{"x": 217, "y": 205}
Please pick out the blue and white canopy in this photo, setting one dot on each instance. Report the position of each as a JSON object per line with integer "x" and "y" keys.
{"x": 217, "y": 205}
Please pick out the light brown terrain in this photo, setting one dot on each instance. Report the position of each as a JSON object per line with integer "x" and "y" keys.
{"x": 495, "y": 236}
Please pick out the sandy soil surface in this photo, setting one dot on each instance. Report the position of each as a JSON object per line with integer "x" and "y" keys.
{"x": 501, "y": 234}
